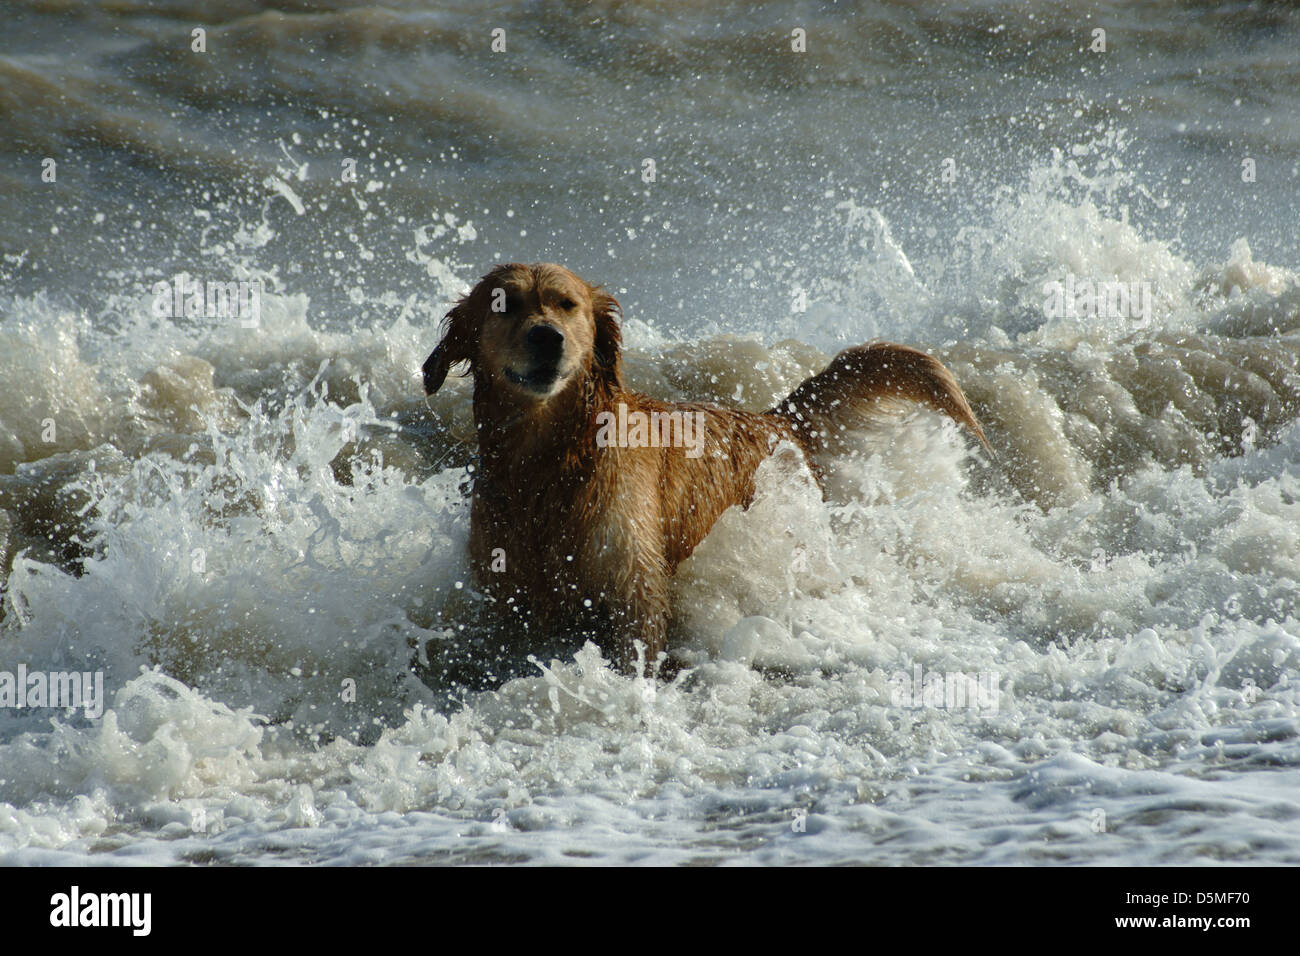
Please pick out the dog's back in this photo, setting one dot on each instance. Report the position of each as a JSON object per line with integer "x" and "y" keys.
{"x": 850, "y": 392}
{"x": 821, "y": 416}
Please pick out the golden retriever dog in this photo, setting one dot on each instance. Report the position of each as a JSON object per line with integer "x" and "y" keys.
{"x": 587, "y": 495}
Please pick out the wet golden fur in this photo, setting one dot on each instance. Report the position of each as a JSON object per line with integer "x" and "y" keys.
{"x": 566, "y": 532}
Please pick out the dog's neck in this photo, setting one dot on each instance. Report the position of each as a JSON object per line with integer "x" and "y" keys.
{"x": 520, "y": 441}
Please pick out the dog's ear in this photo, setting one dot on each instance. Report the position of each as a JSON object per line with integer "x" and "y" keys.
{"x": 459, "y": 342}
{"x": 609, "y": 337}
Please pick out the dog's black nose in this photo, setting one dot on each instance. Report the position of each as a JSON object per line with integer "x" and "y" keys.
{"x": 545, "y": 340}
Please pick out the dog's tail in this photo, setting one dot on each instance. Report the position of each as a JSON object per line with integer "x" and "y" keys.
{"x": 862, "y": 382}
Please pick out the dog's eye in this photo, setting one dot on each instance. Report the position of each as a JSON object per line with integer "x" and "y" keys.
{"x": 568, "y": 304}
{"x": 514, "y": 304}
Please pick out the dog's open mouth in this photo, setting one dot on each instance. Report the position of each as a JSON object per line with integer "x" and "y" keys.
{"x": 538, "y": 380}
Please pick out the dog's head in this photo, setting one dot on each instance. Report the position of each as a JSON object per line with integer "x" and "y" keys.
{"x": 529, "y": 331}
